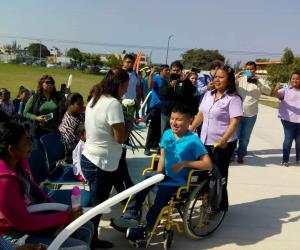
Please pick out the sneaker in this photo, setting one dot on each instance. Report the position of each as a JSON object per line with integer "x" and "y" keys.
{"x": 284, "y": 164}
{"x": 137, "y": 233}
{"x": 240, "y": 159}
{"x": 121, "y": 224}
{"x": 147, "y": 152}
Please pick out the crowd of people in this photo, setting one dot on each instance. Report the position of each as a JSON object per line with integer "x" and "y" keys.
{"x": 194, "y": 120}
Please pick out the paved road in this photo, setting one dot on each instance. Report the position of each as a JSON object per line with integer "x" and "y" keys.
{"x": 264, "y": 198}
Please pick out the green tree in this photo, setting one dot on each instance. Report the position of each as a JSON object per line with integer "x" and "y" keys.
{"x": 91, "y": 59}
{"x": 114, "y": 61}
{"x": 201, "y": 58}
{"x": 37, "y": 50}
{"x": 288, "y": 56}
{"x": 76, "y": 56}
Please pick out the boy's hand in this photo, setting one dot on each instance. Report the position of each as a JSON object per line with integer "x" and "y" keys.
{"x": 178, "y": 167}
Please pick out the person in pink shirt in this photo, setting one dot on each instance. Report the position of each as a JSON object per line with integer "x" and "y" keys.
{"x": 18, "y": 190}
{"x": 289, "y": 113}
{"x": 219, "y": 113}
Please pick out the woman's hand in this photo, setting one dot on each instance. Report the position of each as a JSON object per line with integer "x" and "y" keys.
{"x": 40, "y": 119}
{"x": 222, "y": 143}
{"x": 74, "y": 213}
{"x": 178, "y": 166}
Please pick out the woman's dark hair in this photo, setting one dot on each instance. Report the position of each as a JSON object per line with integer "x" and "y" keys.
{"x": 72, "y": 98}
{"x": 129, "y": 56}
{"x": 45, "y": 78}
{"x": 295, "y": 72}
{"x": 216, "y": 64}
{"x": 231, "y": 89}
{"x": 177, "y": 64}
{"x": 110, "y": 84}
{"x": 10, "y": 134}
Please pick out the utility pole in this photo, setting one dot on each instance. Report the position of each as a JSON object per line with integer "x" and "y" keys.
{"x": 170, "y": 36}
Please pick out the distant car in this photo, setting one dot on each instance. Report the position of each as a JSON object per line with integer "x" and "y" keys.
{"x": 92, "y": 69}
{"x": 51, "y": 65}
{"x": 104, "y": 70}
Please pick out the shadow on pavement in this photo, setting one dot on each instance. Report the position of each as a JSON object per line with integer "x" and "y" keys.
{"x": 266, "y": 157}
{"x": 251, "y": 222}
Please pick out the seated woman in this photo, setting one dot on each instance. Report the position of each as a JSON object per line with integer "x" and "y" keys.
{"x": 46, "y": 107}
{"x": 18, "y": 190}
{"x": 71, "y": 120}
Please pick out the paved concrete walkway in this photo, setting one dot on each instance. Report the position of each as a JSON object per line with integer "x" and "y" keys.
{"x": 264, "y": 211}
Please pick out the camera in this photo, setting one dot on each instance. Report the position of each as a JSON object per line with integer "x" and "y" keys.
{"x": 252, "y": 79}
{"x": 174, "y": 76}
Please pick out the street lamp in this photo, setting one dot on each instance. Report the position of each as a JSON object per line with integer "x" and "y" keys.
{"x": 170, "y": 36}
{"x": 40, "y": 50}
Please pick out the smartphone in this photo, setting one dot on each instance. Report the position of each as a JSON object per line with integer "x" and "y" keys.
{"x": 48, "y": 117}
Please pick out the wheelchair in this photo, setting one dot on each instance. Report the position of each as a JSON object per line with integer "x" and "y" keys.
{"x": 191, "y": 202}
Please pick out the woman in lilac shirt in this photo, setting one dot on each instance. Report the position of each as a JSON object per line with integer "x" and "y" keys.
{"x": 289, "y": 113}
{"x": 219, "y": 113}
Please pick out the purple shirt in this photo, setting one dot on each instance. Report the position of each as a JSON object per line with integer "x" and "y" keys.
{"x": 217, "y": 114}
{"x": 289, "y": 108}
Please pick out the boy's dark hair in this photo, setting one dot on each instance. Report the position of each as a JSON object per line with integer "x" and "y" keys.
{"x": 72, "y": 98}
{"x": 128, "y": 56}
{"x": 177, "y": 64}
{"x": 162, "y": 67}
{"x": 251, "y": 63}
{"x": 182, "y": 109}
{"x": 79, "y": 130}
{"x": 10, "y": 134}
{"x": 216, "y": 64}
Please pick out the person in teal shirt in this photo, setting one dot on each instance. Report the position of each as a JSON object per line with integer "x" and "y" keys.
{"x": 181, "y": 151}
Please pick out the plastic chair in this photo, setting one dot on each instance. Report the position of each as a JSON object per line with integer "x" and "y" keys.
{"x": 55, "y": 152}
{"x": 40, "y": 172}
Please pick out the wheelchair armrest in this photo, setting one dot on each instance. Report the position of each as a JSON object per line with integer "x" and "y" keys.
{"x": 192, "y": 180}
{"x": 152, "y": 166}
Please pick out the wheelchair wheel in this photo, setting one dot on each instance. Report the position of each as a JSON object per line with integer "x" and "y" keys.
{"x": 197, "y": 221}
{"x": 168, "y": 238}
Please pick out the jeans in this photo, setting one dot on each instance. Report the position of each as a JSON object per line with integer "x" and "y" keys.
{"x": 163, "y": 196}
{"x": 100, "y": 183}
{"x": 79, "y": 240}
{"x": 291, "y": 132}
{"x": 243, "y": 131}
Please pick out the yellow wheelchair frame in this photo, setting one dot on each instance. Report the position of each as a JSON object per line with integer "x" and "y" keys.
{"x": 195, "y": 189}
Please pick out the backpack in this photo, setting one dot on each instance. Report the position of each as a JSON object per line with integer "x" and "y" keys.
{"x": 215, "y": 192}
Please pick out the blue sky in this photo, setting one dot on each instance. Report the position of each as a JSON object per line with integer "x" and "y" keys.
{"x": 234, "y": 25}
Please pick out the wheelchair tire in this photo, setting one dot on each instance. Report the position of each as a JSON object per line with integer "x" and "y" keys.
{"x": 168, "y": 238}
{"x": 197, "y": 223}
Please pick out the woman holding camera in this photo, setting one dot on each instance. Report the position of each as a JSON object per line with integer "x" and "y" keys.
{"x": 289, "y": 113}
{"x": 250, "y": 87}
{"x": 219, "y": 113}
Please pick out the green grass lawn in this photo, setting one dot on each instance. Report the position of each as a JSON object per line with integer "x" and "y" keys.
{"x": 14, "y": 75}
{"x": 269, "y": 103}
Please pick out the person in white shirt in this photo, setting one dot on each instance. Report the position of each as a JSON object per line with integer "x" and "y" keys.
{"x": 105, "y": 134}
{"x": 250, "y": 87}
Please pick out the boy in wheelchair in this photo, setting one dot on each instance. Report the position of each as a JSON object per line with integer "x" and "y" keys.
{"x": 181, "y": 151}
